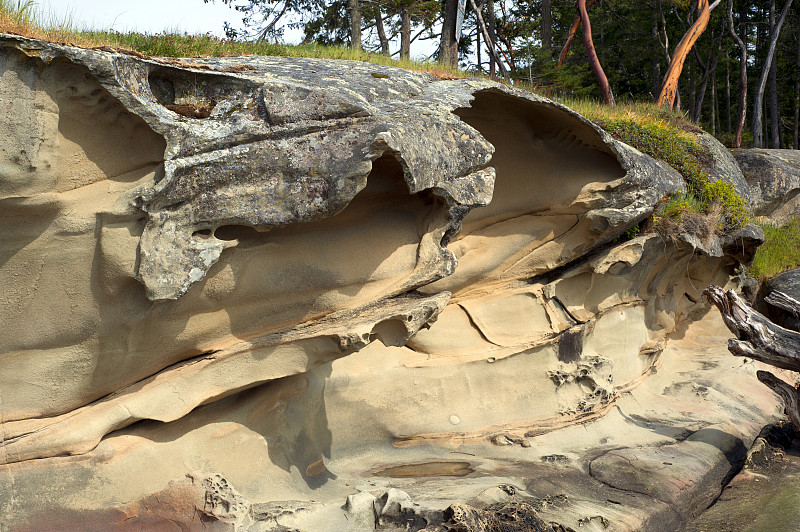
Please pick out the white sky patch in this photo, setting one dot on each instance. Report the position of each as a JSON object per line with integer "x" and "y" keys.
{"x": 156, "y": 16}
{"x": 149, "y": 16}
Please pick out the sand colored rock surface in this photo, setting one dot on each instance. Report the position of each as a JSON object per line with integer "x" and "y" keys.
{"x": 253, "y": 293}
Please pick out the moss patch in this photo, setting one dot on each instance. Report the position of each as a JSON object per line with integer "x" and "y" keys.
{"x": 670, "y": 136}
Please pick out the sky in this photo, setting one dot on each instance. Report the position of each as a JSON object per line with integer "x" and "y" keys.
{"x": 152, "y": 16}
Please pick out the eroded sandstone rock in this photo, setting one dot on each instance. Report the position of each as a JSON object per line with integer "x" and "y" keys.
{"x": 309, "y": 276}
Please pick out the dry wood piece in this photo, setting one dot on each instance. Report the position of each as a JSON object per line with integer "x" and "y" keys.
{"x": 760, "y": 339}
{"x": 756, "y": 336}
{"x": 790, "y": 394}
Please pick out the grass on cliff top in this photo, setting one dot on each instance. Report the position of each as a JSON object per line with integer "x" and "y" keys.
{"x": 20, "y": 17}
{"x": 779, "y": 252}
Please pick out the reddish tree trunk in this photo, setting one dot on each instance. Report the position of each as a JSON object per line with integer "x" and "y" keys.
{"x": 670, "y": 85}
{"x": 602, "y": 80}
{"x": 572, "y": 31}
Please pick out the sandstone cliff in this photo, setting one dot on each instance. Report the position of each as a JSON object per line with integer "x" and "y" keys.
{"x": 254, "y": 293}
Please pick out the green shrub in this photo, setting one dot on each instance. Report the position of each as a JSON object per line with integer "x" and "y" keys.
{"x": 722, "y": 193}
{"x": 679, "y": 204}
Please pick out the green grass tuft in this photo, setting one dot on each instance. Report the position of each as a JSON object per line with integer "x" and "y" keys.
{"x": 680, "y": 204}
{"x": 779, "y": 252}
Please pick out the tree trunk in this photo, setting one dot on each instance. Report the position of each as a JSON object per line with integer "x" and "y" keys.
{"x": 715, "y": 125}
{"x": 355, "y": 24}
{"x": 478, "y": 49}
{"x": 547, "y": 24}
{"x": 796, "y": 143}
{"x": 492, "y": 35}
{"x": 760, "y": 339}
{"x": 602, "y": 80}
{"x": 774, "y": 112}
{"x": 381, "y": 32}
{"x": 692, "y": 93}
{"x": 762, "y": 83}
{"x": 728, "y": 123}
{"x": 489, "y": 42}
{"x": 737, "y": 141}
{"x": 709, "y": 69}
{"x": 656, "y": 54}
{"x": 448, "y": 47}
{"x": 405, "y": 33}
{"x": 573, "y": 29}
{"x": 669, "y": 87}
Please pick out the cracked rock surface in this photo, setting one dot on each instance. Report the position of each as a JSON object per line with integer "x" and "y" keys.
{"x": 261, "y": 293}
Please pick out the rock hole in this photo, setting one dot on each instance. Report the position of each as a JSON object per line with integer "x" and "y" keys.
{"x": 390, "y": 332}
{"x": 201, "y": 233}
{"x": 163, "y": 90}
{"x": 543, "y": 155}
{"x": 570, "y": 346}
{"x": 188, "y": 99}
{"x": 245, "y": 235}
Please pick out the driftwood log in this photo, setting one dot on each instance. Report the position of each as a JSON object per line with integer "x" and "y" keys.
{"x": 760, "y": 339}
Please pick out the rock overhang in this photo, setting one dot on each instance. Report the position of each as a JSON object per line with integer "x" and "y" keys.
{"x": 307, "y": 216}
{"x": 290, "y": 141}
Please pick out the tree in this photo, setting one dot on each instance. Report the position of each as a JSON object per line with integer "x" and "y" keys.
{"x": 490, "y": 43}
{"x": 448, "y": 46}
{"x": 708, "y": 67}
{"x": 602, "y": 80}
{"x": 669, "y": 87}
{"x": 758, "y": 99}
{"x": 547, "y": 24}
{"x": 354, "y": 10}
{"x": 263, "y": 16}
{"x": 405, "y": 33}
{"x": 737, "y": 142}
{"x": 573, "y": 29}
{"x": 381, "y": 31}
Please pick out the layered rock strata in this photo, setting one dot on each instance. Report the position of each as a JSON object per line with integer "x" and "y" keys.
{"x": 310, "y": 279}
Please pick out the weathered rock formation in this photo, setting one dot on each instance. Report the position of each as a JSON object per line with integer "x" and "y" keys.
{"x": 310, "y": 280}
{"x": 773, "y": 177}
{"x": 788, "y": 285}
